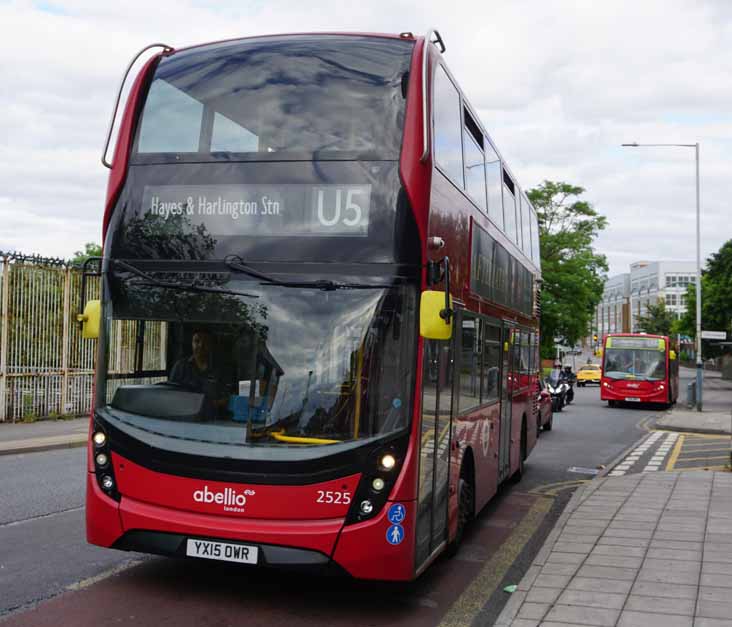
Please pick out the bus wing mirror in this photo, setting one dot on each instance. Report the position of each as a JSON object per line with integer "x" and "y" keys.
{"x": 433, "y": 325}
{"x": 672, "y": 355}
{"x": 90, "y": 320}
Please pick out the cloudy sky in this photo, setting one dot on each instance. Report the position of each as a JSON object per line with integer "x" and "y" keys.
{"x": 558, "y": 84}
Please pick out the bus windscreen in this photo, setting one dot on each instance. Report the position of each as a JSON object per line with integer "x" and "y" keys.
{"x": 282, "y": 97}
{"x": 635, "y": 358}
{"x": 259, "y": 365}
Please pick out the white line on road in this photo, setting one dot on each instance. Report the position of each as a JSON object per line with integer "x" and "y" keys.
{"x": 13, "y": 523}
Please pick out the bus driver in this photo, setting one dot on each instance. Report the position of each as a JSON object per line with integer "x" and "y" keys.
{"x": 196, "y": 373}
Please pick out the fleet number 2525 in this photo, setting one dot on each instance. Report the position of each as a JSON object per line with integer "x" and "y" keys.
{"x": 333, "y": 496}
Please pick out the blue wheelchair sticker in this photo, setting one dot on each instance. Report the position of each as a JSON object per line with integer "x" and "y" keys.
{"x": 396, "y": 514}
{"x": 395, "y": 534}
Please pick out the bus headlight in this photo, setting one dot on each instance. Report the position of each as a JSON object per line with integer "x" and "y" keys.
{"x": 387, "y": 462}
{"x": 100, "y": 439}
{"x": 366, "y": 507}
{"x": 101, "y": 459}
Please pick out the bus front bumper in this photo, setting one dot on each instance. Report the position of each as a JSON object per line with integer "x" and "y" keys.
{"x": 327, "y": 547}
{"x": 618, "y": 392}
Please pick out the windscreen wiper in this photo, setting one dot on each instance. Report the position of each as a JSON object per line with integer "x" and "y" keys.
{"x": 237, "y": 264}
{"x": 150, "y": 280}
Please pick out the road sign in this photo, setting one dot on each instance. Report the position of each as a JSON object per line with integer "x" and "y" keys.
{"x": 714, "y": 335}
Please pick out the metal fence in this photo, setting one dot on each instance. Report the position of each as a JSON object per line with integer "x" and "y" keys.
{"x": 46, "y": 369}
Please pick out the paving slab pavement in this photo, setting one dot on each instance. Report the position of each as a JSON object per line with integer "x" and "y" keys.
{"x": 692, "y": 421}
{"x": 656, "y": 549}
{"x": 42, "y": 435}
{"x": 716, "y": 417}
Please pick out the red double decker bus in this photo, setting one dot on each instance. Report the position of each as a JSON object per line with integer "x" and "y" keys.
{"x": 318, "y": 329}
{"x": 639, "y": 368}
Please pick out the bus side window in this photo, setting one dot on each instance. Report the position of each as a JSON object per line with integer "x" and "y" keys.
{"x": 469, "y": 395}
{"x": 448, "y": 127}
{"x": 491, "y": 363}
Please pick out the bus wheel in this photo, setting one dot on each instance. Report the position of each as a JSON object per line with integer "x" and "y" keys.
{"x": 466, "y": 509}
{"x": 611, "y": 403}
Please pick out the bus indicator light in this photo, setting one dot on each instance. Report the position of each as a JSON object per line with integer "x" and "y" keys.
{"x": 377, "y": 484}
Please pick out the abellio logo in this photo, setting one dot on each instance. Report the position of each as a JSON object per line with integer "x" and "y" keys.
{"x": 232, "y": 500}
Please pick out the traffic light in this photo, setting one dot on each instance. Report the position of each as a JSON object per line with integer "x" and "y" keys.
{"x": 594, "y": 338}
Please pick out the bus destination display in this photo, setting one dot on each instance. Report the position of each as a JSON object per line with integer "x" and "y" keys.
{"x": 265, "y": 210}
{"x": 637, "y": 343}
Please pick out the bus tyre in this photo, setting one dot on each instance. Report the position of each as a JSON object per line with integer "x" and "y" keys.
{"x": 466, "y": 509}
{"x": 548, "y": 425}
{"x": 519, "y": 474}
{"x": 611, "y": 403}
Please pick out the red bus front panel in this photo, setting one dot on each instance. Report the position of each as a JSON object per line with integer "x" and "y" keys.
{"x": 328, "y": 500}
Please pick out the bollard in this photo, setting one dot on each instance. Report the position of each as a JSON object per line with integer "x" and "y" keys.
{"x": 691, "y": 394}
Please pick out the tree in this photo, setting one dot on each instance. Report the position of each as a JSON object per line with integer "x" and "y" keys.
{"x": 657, "y": 320}
{"x": 573, "y": 273}
{"x": 90, "y": 250}
{"x": 716, "y": 286}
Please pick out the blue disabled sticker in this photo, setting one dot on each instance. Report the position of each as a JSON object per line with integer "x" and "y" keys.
{"x": 395, "y": 534}
{"x": 396, "y": 514}
{"x": 396, "y": 403}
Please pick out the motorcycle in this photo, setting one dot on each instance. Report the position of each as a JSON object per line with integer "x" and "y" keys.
{"x": 558, "y": 388}
{"x": 569, "y": 379}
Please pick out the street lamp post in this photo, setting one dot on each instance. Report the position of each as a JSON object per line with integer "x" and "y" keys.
{"x": 699, "y": 362}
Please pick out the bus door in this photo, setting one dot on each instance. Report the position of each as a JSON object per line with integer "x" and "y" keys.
{"x": 507, "y": 384}
{"x": 437, "y": 382}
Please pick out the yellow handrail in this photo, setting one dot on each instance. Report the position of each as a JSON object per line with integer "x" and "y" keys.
{"x": 296, "y": 439}
{"x": 357, "y": 411}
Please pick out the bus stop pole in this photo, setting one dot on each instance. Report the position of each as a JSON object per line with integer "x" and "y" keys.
{"x": 699, "y": 362}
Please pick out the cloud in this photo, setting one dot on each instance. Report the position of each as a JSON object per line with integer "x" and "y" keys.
{"x": 558, "y": 84}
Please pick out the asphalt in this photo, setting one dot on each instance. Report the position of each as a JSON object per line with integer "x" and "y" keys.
{"x": 43, "y": 549}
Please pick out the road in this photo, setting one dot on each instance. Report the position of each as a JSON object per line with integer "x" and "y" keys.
{"x": 43, "y": 548}
{"x": 43, "y": 551}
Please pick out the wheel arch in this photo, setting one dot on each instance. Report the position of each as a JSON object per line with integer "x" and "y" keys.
{"x": 467, "y": 467}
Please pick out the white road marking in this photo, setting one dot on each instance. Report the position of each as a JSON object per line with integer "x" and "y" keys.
{"x": 661, "y": 442}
